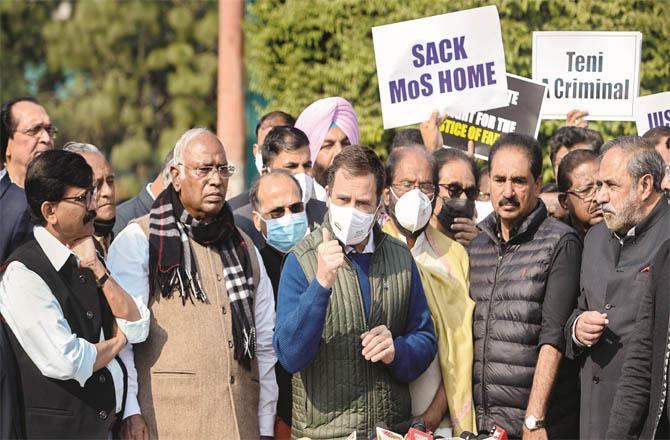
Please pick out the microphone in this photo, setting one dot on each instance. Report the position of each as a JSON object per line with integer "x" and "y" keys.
{"x": 415, "y": 434}
{"x": 467, "y": 435}
{"x": 383, "y": 433}
{"x": 498, "y": 433}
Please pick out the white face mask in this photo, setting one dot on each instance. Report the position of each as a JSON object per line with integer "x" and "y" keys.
{"x": 258, "y": 160}
{"x": 306, "y": 184}
{"x": 350, "y": 225}
{"x": 412, "y": 210}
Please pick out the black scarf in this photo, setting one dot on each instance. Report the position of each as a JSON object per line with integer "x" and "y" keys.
{"x": 172, "y": 265}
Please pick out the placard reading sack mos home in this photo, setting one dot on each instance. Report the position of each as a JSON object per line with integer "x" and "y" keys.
{"x": 454, "y": 63}
{"x": 594, "y": 71}
{"x": 652, "y": 111}
{"x": 521, "y": 114}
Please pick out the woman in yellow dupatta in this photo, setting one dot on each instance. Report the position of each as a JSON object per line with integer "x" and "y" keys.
{"x": 444, "y": 268}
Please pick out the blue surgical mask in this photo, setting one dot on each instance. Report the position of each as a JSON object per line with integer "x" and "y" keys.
{"x": 285, "y": 232}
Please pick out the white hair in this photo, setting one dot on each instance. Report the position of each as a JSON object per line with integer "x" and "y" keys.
{"x": 81, "y": 148}
{"x": 184, "y": 140}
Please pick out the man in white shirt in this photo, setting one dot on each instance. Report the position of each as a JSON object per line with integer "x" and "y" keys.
{"x": 68, "y": 319}
{"x": 207, "y": 368}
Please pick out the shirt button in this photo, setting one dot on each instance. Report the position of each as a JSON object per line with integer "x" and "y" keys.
{"x": 102, "y": 378}
{"x": 230, "y": 344}
{"x": 82, "y": 279}
{"x": 608, "y": 306}
{"x": 89, "y": 314}
{"x": 218, "y": 277}
{"x": 103, "y": 415}
{"x": 232, "y": 379}
{"x": 596, "y": 379}
{"x": 223, "y": 310}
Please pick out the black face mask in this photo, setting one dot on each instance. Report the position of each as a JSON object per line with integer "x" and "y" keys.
{"x": 453, "y": 208}
{"x": 103, "y": 228}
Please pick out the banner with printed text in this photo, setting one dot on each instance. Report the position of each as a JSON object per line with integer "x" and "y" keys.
{"x": 594, "y": 71}
{"x": 453, "y": 63}
{"x": 652, "y": 111}
{"x": 520, "y": 115}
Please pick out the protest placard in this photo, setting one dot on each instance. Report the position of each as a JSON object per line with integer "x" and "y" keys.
{"x": 594, "y": 71}
{"x": 652, "y": 111}
{"x": 520, "y": 115}
{"x": 453, "y": 62}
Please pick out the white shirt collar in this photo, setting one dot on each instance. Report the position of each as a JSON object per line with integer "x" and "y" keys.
{"x": 369, "y": 247}
{"x": 418, "y": 244}
{"x": 3, "y": 172}
{"x": 56, "y": 252}
{"x": 148, "y": 188}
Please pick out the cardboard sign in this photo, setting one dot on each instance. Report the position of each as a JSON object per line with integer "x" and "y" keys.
{"x": 652, "y": 111}
{"x": 594, "y": 71}
{"x": 520, "y": 115}
{"x": 453, "y": 63}
{"x": 385, "y": 434}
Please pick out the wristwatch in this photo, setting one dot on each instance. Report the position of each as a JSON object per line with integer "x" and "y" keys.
{"x": 103, "y": 279}
{"x": 532, "y": 423}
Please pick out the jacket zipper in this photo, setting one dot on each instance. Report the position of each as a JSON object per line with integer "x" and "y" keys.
{"x": 486, "y": 333}
{"x": 365, "y": 321}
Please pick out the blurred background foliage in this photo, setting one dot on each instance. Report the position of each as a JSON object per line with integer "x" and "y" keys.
{"x": 299, "y": 51}
{"x": 131, "y": 76}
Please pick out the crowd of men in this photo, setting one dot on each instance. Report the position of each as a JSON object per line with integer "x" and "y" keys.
{"x": 340, "y": 291}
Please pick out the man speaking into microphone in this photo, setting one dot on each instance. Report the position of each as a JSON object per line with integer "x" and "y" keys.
{"x": 353, "y": 326}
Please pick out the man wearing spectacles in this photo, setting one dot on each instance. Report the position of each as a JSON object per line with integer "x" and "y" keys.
{"x": 25, "y": 131}
{"x": 103, "y": 181}
{"x": 68, "y": 318}
{"x": 577, "y": 190}
{"x": 442, "y": 395}
{"x": 207, "y": 368}
{"x": 660, "y": 138}
{"x": 457, "y": 191}
{"x": 279, "y": 216}
{"x": 285, "y": 148}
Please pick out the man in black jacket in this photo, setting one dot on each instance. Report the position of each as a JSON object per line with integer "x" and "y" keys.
{"x": 615, "y": 272}
{"x": 524, "y": 279}
{"x": 66, "y": 318}
{"x": 640, "y": 406}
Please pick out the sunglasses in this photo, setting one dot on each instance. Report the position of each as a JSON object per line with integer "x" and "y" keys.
{"x": 456, "y": 189}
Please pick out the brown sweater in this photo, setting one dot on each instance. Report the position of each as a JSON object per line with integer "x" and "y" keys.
{"x": 190, "y": 386}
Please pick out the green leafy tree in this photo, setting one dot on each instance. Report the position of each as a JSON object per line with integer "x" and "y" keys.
{"x": 299, "y": 51}
{"x": 127, "y": 76}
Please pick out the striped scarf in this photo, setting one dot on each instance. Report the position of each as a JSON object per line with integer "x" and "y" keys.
{"x": 172, "y": 265}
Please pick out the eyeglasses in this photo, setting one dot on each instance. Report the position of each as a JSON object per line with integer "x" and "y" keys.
{"x": 279, "y": 212}
{"x": 584, "y": 192}
{"x": 35, "y": 130}
{"x": 456, "y": 189}
{"x": 406, "y": 186}
{"x": 85, "y": 198}
{"x": 224, "y": 171}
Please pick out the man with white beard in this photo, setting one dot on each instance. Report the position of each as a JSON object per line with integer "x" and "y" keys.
{"x": 615, "y": 272}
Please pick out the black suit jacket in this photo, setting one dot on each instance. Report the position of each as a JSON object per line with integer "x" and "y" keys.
{"x": 637, "y": 405}
{"x": 15, "y": 224}
{"x": 131, "y": 209}
{"x": 613, "y": 281}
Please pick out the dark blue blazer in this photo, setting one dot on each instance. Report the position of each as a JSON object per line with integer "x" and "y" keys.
{"x": 131, "y": 209}
{"x": 15, "y": 224}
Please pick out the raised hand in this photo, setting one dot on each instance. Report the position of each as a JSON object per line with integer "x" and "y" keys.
{"x": 330, "y": 257}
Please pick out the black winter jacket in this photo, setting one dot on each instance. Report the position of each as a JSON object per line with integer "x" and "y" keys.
{"x": 508, "y": 283}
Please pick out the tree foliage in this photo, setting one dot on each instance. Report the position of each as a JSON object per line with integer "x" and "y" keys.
{"x": 129, "y": 76}
{"x": 298, "y": 51}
